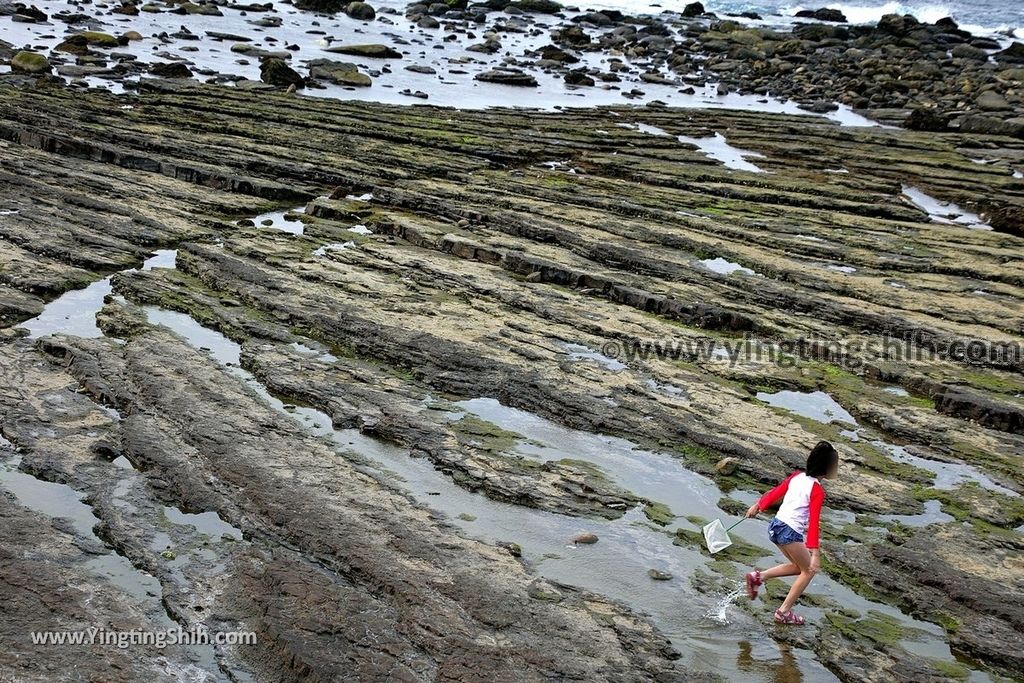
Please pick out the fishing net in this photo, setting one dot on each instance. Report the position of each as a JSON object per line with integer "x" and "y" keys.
{"x": 716, "y": 536}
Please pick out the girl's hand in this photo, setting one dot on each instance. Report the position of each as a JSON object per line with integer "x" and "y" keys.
{"x": 752, "y": 511}
{"x": 815, "y": 562}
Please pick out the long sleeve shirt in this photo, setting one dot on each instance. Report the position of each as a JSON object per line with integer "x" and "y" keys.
{"x": 802, "y": 498}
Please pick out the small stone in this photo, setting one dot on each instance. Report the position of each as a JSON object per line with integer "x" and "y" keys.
{"x": 659, "y": 575}
{"x": 586, "y": 538}
{"x": 727, "y": 465}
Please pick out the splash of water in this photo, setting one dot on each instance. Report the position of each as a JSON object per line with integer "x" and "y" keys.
{"x": 719, "y": 612}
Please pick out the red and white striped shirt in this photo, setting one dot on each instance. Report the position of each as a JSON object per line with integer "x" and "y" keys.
{"x": 802, "y": 498}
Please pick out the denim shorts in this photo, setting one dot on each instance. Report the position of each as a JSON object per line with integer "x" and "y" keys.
{"x": 781, "y": 533}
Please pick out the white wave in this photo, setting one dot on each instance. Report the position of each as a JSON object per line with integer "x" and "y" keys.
{"x": 870, "y": 14}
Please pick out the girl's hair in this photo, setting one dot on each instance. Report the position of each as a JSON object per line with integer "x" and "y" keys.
{"x": 822, "y": 459}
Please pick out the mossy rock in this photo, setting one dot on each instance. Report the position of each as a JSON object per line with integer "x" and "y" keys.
{"x": 485, "y": 435}
{"x": 877, "y": 627}
{"x": 659, "y": 513}
{"x": 30, "y": 63}
{"x": 99, "y": 39}
{"x": 340, "y": 73}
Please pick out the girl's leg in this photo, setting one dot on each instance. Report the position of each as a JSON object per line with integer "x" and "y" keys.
{"x": 787, "y": 569}
{"x": 801, "y": 557}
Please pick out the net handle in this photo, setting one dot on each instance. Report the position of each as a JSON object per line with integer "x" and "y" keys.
{"x": 734, "y": 525}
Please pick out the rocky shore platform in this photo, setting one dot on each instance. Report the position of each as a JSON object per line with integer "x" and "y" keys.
{"x": 376, "y": 384}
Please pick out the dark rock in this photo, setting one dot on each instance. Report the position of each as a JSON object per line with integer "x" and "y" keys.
{"x": 340, "y": 73}
{"x": 538, "y": 6}
{"x": 170, "y": 70}
{"x": 1013, "y": 54}
{"x": 966, "y": 51}
{"x": 371, "y": 50}
{"x": 694, "y": 9}
{"x": 572, "y": 35}
{"x": 585, "y": 538}
{"x": 361, "y": 11}
{"x": 322, "y": 6}
{"x": 578, "y": 77}
{"x": 926, "y": 119}
{"x": 74, "y": 45}
{"x": 823, "y": 14}
{"x": 819, "y": 107}
{"x": 276, "y": 72}
{"x": 988, "y": 125}
{"x": 896, "y": 25}
{"x": 507, "y": 77}
{"x": 992, "y": 101}
{"x": 557, "y": 54}
{"x": 659, "y": 575}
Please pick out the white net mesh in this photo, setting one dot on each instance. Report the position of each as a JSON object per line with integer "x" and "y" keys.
{"x": 716, "y": 536}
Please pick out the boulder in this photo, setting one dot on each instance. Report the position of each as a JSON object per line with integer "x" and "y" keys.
{"x": 171, "y": 70}
{"x": 992, "y": 101}
{"x": 340, "y": 73}
{"x": 895, "y": 25}
{"x": 823, "y": 14}
{"x": 694, "y": 9}
{"x": 579, "y": 77}
{"x": 538, "y": 6}
{"x": 507, "y": 77}
{"x": 73, "y": 45}
{"x": 1012, "y": 55}
{"x": 926, "y": 119}
{"x": 361, "y": 11}
{"x": 571, "y": 35}
{"x": 98, "y": 39}
{"x": 369, "y": 50}
{"x": 989, "y": 125}
{"x": 322, "y": 6}
{"x": 29, "y": 15}
{"x": 32, "y": 63}
{"x": 276, "y": 72}
{"x": 557, "y": 54}
{"x": 970, "y": 52}
{"x": 200, "y": 9}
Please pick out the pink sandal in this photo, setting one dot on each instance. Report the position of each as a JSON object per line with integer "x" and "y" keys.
{"x": 753, "y": 582}
{"x": 788, "y": 618}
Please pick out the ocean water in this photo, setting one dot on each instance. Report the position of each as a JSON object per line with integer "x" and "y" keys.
{"x": 1004, "y": 17}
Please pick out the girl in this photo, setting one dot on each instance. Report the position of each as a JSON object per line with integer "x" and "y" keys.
{"x": 802, "y": 496}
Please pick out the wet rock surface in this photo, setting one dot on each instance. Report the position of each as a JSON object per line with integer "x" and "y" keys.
{"x": 898, "y": 70}
{"x": 443, "y": 256}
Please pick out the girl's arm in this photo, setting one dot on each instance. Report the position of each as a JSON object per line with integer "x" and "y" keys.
{"x": 814, "y": 518}
{"x": 775, "y": 495}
